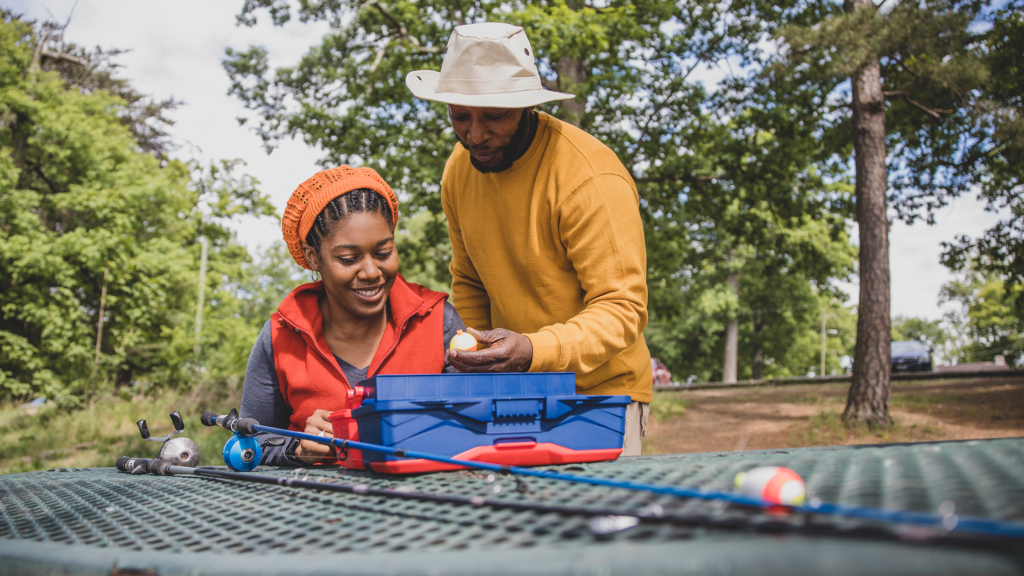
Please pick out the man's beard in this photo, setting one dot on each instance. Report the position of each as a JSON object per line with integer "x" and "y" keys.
{"x": 508, "y": 153}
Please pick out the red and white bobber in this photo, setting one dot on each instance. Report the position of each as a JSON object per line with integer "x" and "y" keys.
{"x": 463, "y": 341}
{"x": 775, "y": 484}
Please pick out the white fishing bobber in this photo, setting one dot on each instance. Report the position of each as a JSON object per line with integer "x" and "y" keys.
{"x": 773, "y": 483}
{"x": 463, "y": 341}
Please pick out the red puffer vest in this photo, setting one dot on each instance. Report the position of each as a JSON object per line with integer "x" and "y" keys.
{"x": 309, "y": 375}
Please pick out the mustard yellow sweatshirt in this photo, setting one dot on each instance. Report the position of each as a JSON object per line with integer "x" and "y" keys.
{"x": 553, "y": 248}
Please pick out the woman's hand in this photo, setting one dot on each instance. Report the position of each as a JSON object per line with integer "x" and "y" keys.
{"x": 506, "y": 351}
{"x": 313, "y": 452}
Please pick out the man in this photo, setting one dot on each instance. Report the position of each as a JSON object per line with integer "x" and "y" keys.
{"x": 548, "y": 257}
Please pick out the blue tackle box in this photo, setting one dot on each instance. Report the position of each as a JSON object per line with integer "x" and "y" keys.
{"x": 522, "y": 419}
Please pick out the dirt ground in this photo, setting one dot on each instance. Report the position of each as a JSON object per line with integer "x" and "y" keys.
{"x": 809, "y": 415}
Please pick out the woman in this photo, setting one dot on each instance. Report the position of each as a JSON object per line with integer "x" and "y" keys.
{"x": 361, "y": 319}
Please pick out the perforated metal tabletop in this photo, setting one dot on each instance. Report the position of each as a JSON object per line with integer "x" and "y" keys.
{"x": 100, "y": 521}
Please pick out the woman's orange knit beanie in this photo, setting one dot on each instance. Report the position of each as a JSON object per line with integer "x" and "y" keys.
{"x": 312, "y": 195}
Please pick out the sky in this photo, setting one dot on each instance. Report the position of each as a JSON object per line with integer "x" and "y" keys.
{"x": 176, "y": 50}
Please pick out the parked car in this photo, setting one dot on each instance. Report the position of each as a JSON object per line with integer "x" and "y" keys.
{"x": 911, "y": 356}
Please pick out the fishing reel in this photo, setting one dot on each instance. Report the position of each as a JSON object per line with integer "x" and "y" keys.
{"x": 242, "y": 452}
{"x": 178, "y": 451}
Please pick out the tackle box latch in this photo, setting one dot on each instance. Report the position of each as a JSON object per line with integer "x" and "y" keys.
{"x": 525, "y": 409}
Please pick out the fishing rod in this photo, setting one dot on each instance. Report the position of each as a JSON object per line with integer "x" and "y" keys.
{"x": 245, "y": 428}
{"x": 602, "y": 522}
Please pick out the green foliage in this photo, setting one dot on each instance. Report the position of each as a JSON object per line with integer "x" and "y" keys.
{"x": 727, "y": 181}
{"x": 784, "y": 268}
{"x": 951, "y": 77}
{"x": 1000, "y": 162}
{"x": 423, "y": 262}
{"x": 86, "y": 215}
{"x": 95, "y": 70}
{"x": 931, "y": 71}
{"x": 989, "y": 321}
{"x": 944, "y": 130}
{"x": 266, "y": 282}
{"x": 351, "y": 100}
{"x": 788, "y": 312}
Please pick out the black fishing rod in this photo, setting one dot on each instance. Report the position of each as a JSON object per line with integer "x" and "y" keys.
{"x": 244, "y": 428}
{"x": 602, "y": 521}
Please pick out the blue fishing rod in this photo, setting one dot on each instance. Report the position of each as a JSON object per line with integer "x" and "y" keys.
{"x": 246, "y": 428}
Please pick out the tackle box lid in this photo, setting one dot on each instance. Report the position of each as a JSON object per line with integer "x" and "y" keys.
{"x": 491, "y": 409}
{"x": 453, "y": 387}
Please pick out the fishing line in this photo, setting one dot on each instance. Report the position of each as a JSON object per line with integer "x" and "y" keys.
{"x": 950, "y": 522}
{"x": 602, "y": 522}
{"x": 245, "y": 428}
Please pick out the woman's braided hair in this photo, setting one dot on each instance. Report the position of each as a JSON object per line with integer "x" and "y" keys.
{"x": 358, "y": 200}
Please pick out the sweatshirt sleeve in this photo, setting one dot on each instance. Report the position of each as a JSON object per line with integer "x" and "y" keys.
{"x": 468, "y": 294}
{"x": 599, "y": 224}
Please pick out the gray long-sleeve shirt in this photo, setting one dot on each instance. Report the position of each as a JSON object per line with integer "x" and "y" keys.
{"x": 262, "y": 398}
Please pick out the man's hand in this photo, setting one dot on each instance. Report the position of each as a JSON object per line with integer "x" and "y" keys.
{"x": 312, "y": 452}
{"x": 507, "y": 351}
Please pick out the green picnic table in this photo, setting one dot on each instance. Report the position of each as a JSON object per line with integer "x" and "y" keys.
{"x": 100, "y": 521}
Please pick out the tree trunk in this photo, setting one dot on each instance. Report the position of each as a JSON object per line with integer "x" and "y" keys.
{"x": 732, "y": 336}
{"x": 99, "y": 337}
{"x": 868, "y": 400}
{"x": 755, "y": 370}
{"x": 204, "y": 247}
{"x": 571, "y": 74}
{"x": 823, "y": 340}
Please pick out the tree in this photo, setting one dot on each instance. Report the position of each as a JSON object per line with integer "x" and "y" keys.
{"x": 716, "y": 173}
{"x": 988, "y": 322}
{"x": 785, "y": 281}
{"x": 999, "y": 156}
{"x": 869, "y": 391}
{"x": 95, "y": 70}
{"x": 912, "y": 70}
{"x": 92, "y": 220}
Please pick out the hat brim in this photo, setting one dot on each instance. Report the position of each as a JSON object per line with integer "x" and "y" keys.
{"x": 423, "y": 84}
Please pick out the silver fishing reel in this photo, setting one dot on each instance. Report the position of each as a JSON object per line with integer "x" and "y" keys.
{"x": 178, "y": 451}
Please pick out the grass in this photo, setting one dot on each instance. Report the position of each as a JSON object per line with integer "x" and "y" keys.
{"x": 827, "y": 428}
{"x": 668, "y": 405}
{"x": 924, "y": 402}
{"x": 97, "y": 436}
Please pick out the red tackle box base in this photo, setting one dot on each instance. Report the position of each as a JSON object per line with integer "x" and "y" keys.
{"x": 510, "y": 454}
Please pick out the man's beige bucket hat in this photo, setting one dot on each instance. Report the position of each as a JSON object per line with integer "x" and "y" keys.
{"x": 487, "y": 65}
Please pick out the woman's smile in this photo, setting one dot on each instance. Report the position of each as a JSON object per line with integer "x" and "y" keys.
{"x": 370, "y": 294}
